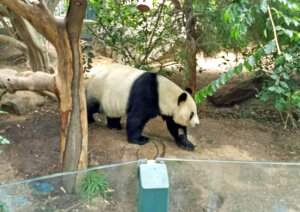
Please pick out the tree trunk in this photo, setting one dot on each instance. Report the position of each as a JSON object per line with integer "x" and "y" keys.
{"x": 69, "y": 79}
{"x": 190, "y": 47}
{"x": 37, "y": 52}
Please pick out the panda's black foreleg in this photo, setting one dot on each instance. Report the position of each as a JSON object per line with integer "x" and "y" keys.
{"x": 113, "y": 123}
{"x": 181, "y": 139}
{"x": 134, "y": 129}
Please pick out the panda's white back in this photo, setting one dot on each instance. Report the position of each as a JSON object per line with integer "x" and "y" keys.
{"x": 111, "y": 86}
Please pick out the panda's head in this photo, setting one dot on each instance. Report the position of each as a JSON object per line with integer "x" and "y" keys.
{"x": 186, "y": 111}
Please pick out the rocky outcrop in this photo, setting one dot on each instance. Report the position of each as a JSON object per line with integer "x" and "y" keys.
{"x": 21, "y": 102}
{"x": 236, "y": 90}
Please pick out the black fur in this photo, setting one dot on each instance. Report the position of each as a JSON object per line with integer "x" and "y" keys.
{"x": 93, "y": 106}
{"x": 113, "y": 123}
{"x": 142, "y": 106}
{"x": 182, "y": 98}
{"x": 189, "y": 90}
{"x": 174, "y": 128}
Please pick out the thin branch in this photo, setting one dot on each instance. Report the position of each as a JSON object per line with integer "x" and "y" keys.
{"x": 14, "y": 42}
{"x": 155, "y": 27}
{"x": 274, "y": 30}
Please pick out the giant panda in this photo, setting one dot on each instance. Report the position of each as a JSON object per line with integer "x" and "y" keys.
{"x": 120, "y": 90}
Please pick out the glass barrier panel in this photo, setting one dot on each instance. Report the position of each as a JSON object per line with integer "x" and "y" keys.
{"x": 233, "y": 186}
{"x": 49, "y": 193}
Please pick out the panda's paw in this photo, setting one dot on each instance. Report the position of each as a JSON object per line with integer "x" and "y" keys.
{"x": 140, "y": 141}
{"x": 183, "y": 143}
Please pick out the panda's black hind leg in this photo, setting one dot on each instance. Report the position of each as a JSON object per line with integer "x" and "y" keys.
{"x": 134, "y": 129}
{"x": 92, "y": 107}
{"x": 113, "y": 123}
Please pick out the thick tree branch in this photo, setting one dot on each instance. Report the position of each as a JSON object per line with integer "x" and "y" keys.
{"x": 13, "y": 42}
{"x": 46, "y": 24}
{"x": 34, "y": 81}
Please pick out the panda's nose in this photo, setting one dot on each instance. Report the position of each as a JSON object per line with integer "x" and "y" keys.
{"x": 197, "y": 122}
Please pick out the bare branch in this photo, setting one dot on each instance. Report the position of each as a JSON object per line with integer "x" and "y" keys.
{"x": 38, "y": 15}
{"x": 152, "y": 36}
{"x": 34, "y": 81}
{"x": 14, "y": 42}
{"x": 274, "y": 30}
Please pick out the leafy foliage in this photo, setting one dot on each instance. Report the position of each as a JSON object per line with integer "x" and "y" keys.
{"x": 3, "y": 207}
{"x": 87, "y": 59}
{"x": 139, "y": 37}
{"x": 92, "y": 186}
{"x": 247, "y": 20}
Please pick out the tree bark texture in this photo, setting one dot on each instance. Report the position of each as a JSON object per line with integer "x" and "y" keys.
{"x": 36, "y": 48}
{"x": 190, "y": 47}
{"x": 69, "y": 79}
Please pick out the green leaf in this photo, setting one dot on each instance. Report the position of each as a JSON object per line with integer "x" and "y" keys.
{"x": 214, "y": 86}
{"x": 249, "y": 63}
{"x": 280, "y": 90}
{"x": 285, "y": 76}
{"x": 280, "y": 60}
{"x": 264, "y": 6}
{"x": 274, "y": 77}
{"x": 226, "y": 17}
{"x": 229, "y": 73}
{"x": 265, "y": 33}
{"x": 283, "y": 84}
{"x": 271, "y": 88}
{"x": 277, "y": 70}
{"x": 270, "y": 46}
{"x": 222, "y": 78}
{"x": 218, "y": 83}
{"x": 238, "y": 69}
{"x": 209, "y": 90}
{"x": 288, "y": 57}
{"x": 4, "y": 141}
{"x": 1, "y": 151}
{"x": 198, "y": 97}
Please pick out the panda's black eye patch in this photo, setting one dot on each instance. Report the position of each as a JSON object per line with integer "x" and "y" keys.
{"x": 191, "y": 116}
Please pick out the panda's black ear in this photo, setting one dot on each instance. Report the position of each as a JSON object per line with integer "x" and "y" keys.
{"x": 188, "y": 90}
{"x": 182, "y": 98}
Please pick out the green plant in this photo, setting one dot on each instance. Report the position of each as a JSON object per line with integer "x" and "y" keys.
{"x": 93, "y": 185}
{"x": 275, "y": 26}
{"x": 3, "y": 141}
{"x": 141, "y": 38}
{"x": 87, "y": 59}
{"x": 3, "y": 207}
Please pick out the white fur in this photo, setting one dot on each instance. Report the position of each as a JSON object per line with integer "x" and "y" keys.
{"x": 112, "y": 87}
{"x": 168, "y": 103}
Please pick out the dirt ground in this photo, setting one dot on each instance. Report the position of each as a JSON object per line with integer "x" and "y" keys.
{"x": 248, "y": 131}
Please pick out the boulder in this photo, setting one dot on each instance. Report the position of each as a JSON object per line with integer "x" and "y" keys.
{"x": 237, "y": 89}
{"x": 21, "y": 102}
